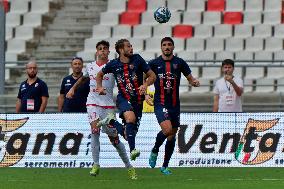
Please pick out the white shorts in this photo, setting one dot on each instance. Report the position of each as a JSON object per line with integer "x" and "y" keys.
{"x": 97, "y": 112}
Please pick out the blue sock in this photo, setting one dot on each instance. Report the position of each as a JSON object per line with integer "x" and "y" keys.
{"x": 131, "y": 130}
{"x": 118, "y": 126}
{"x": 169, "y": 149}
{"x": 160, "y": 138}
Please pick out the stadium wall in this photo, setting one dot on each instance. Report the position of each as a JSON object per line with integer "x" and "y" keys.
{"x": 204, "y": 140}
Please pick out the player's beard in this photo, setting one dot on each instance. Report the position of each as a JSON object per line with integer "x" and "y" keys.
{"x": 32, "y": 75}
{"x": 167, "y": 53}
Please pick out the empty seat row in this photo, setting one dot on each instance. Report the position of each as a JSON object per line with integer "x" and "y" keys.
{"x": 196, "y": 5}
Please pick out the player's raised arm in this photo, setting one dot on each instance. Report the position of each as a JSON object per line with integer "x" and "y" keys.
{"x": 149, "y": 80}
{"x": 99, "y": 80}
{"x": 78, "y": 83}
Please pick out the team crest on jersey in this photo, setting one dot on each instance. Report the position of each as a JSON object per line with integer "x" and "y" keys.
{"x": 36, "y": 84}
{"x": 131, "y": 66}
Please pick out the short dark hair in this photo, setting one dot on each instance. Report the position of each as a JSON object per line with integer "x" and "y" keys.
{"x": 228, "y": 62}
{"x": 167, "y": 39}
{"x": 102, "y": 42}
{"x": 120, "y": 44}
{"x": 77, "y": 58}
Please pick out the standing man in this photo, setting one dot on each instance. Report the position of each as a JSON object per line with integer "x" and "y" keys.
{"x": 33, "y": 93}
{"x": 228, "y": 90}
{"x": 168, "y": 69}
{"x": 78, "y": 102}
{"x": 128, "y": 71}
{"x": 99, "y": 107}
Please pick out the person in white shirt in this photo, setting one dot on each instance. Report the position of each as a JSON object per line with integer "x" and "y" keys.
{"x": 99, "y": 107}
{"x": 228, "y": 90}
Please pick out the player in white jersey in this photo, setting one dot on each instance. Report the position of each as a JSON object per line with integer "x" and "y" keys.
{"x": 99, "y": 106}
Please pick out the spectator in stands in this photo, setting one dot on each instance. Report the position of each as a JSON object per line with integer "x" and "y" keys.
{"x": 33, "y": 93}
{"x": 98, "y": 107}
{"x": 168, "y": 69}
{"x": 78, "y": 102}
{"x": 228, "y": 90}
{"x": 128, "y": 71}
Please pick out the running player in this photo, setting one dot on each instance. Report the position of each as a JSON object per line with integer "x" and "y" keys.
{"x": 168, "y": 69}
{"x": 128, "y": 71}
{"x": 98, "y": 107}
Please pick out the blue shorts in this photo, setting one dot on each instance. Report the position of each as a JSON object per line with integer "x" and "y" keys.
{"x": 123, "y": 105}
{"x": 172, "y": 114}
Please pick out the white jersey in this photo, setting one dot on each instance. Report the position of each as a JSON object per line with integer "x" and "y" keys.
{"x": 229, "y": 101}
{"x": 94, "y": 99}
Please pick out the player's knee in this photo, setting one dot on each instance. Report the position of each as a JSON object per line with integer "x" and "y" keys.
{"x": 114, "y": 140}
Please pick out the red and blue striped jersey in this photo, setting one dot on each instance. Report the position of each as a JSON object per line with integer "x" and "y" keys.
{"x": 168, "y": 79}
{"x": 128, "y": 76}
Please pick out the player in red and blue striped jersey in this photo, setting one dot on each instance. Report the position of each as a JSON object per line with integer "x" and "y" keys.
{"x": 168, "y": 69}
{"x": 128, "y": 71}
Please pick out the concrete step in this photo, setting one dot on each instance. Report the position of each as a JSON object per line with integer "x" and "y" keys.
{"x": 85, "y": 2}
{"x": 77, "y": 13}
{"x": 85, "y": 26}
{"x": 64, "y": 55}
{"x": 66, "y": 40}
{"x": 71, "y": 34}
{"x": 63, "y": 47}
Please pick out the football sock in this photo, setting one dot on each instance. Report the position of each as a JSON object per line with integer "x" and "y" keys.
{"x": 131, "y": 133}
{"x": 160, "y": 138}
{"x": 95, "y": 145}
{"x": 169, "y": 149}
{"x": 120, "y": 148}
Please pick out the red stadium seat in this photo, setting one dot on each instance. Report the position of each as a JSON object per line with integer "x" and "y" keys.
{"x": 233, "y": 18}
{"x": 130, "y": 18}
{"x": 182, "y": 31}
{"x": 136, "y": 6}
{"x": 215, "y": 5}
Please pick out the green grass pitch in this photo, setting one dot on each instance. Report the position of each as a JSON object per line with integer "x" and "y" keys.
{"x": 182, "y": 178}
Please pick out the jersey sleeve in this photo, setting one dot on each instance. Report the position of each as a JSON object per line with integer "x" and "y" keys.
{"x": 44, "y": 90}
{"x": 62, "y": 91}
{"x": 108, "y": 67}
{"x": 145, "y": 66}
{"x": 19, "y": 93}
{"x": 185, "y": 68}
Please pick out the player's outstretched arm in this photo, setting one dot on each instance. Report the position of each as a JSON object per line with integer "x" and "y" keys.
{"x": 194, "y": 82}
{"x": 99, "y": 80}
{"x": 150, "y": 79}
{"x": 78, "y": 83}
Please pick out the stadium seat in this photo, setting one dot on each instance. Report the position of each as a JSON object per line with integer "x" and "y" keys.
{"x": 203, "y": 31}
{"x": 222, "y": 55}
{"x": 121, "y": 31}
{"x": 142, "y": 31}
{"x": 8, "y": 33}
{"x": 248, "y": 85}
{"x": 176, "y": 5}
{"x": 148, "y": 18}
{"x": 116, "y": 6}
{"x": 186, "y": 55}
{"x": 152, "y": 5}
{"x": 40, "y": 6}
{"x": 273, "y": 44}
{"x": 24, "y": 32}
{"x": 254, "y": 72}
{"x": 191, "y": 18}
{"x": 204, "y": 86}
{"x": 223, "y": 31}
{"x": 162, "y": 30}
{"x": 233, "y": 5}
{"x": 244, "y": 56}
{"x": 233, "y": 18}
{"x": 279, "y": 31}
{"x": 182, "y": 31}
{"x": 204, "y": 55}
{"x": 101, "y": 31}
{"x": 109, "y": 18}
{"x": 265, "y": 57}
{"x": 195, "y": 6}
{"x": 138, "y": 44}
{"x": 280, "y": 85}
{"x": 212, "y": 18}
{"x": 262, "y": 30}
{"x": 16, "y": 46}
{"x": 233, "y": 44}
{"x": 195, "y": 44}
{"x": 179, "y": 44}
{"x": 130, "y": 18}
{"x": 147, "y": 55}
{"x": 272, "y": 18}
{"x": 252, "y": 18}
{"x": 11, "y": 57}
{"x": 33, "y": 19}
{"x": 279, "y": 55}
{"x": 153, "y": 44}
{"x": 254, "y": 5}
{"x": 215, "y": 5}
{"x": 184, "y": 86}
{"x": 19, "y": 6}
{"x": 275, "y": 72}
{"x": 253, "y": 44}
{"x": 214, "y": 44}
{"x": 272, "y": 5}
{"x": 136, "y": 6}
{"x": 211, "y": 72}
{"x": 264, "y": 85}
{"x": 13, "y": 19}
{"x": 90, "y": 44}
{"x": 238, "y": 71}
{"x": 242, "y": 31}
{"x": 175, "y": 19}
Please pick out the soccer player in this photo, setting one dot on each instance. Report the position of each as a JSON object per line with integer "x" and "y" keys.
{"x": 78, "y": 102}
{"x": 98, "y": 107}
{"x": 168, "y": 69}
{"x": 33, "y": 92}
{"x": 128, "y": 71}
